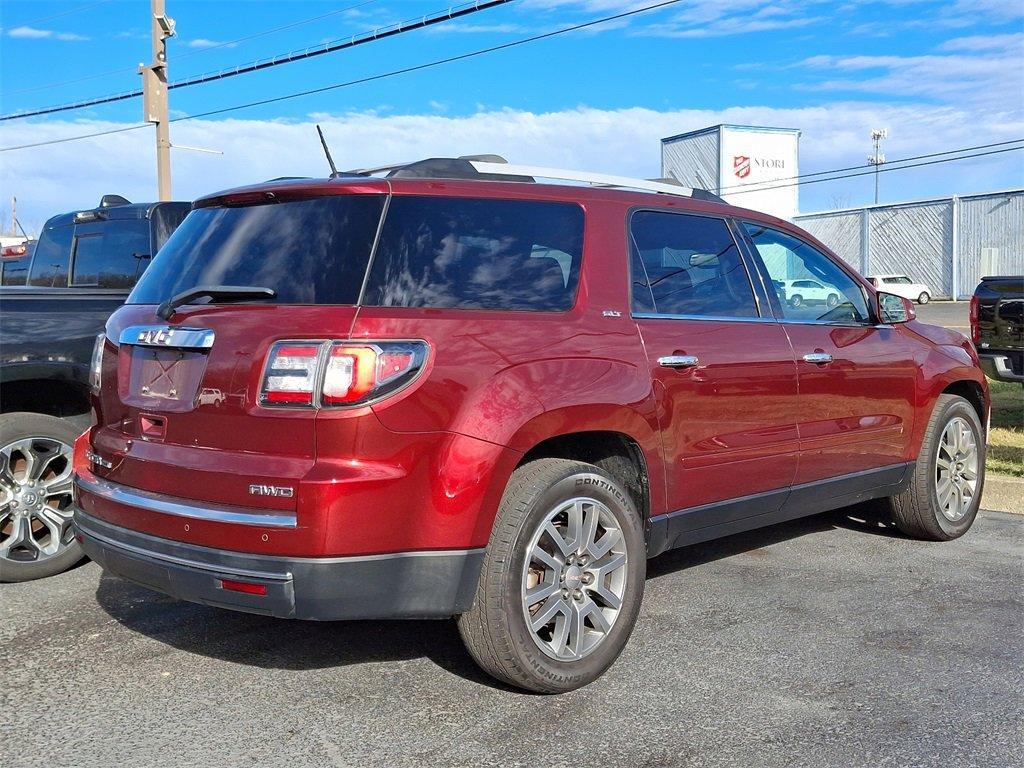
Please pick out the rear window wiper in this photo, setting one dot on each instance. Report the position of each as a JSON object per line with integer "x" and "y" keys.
{"x": 215, "y": 292}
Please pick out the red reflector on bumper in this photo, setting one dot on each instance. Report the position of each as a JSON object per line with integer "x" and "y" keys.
{"x": 244, "y": 586}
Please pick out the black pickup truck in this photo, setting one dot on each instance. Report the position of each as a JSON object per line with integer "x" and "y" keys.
{"x": 82, "y": 269}
{"x": 997, "y": 326}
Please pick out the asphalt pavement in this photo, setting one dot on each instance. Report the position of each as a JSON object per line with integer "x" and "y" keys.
{"x": 823, "y": 642}
{"x": 952, "y": 314}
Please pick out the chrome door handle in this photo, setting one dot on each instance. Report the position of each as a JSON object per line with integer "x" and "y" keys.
{"x": 818, "y": 358}
{"x": 678, "y": 361}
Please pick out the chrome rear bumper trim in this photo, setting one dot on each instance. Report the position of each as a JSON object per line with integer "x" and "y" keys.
{"x": 168, "y": 505}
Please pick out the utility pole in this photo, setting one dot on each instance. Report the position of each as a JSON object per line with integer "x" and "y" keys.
{"x": 154, "y": 95}
{"x": 878, "y": 158}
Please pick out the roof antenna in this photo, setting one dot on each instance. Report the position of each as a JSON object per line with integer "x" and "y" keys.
{"x": 327, "y": 151}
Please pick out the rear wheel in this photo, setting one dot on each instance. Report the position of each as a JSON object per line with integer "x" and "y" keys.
{"x": 36, "y": 538}
{"x": 562, "y": 580}
{"x": 945, "y": 493}
{"x": 924, "y": 298}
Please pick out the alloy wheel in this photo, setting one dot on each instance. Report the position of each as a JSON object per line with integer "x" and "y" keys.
{"x": 956, "y": 469}
{"x": 35, "y": 499}
{"x": 574, "y": 579}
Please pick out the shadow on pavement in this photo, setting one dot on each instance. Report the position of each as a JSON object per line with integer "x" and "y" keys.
{"x": 272, "y": 643}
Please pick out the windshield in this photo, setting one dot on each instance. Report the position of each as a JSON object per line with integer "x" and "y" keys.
{"x": 307, "y": 251}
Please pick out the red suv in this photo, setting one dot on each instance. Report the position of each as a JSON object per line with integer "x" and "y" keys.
{"x": 455, "y": 391}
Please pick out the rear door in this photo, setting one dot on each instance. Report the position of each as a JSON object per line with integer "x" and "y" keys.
{"x": 183, "y": 395}
{"x": 723, "y": 368}
{"x": 857, "y": 378}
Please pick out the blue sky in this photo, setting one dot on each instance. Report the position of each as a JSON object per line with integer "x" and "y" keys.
{"x": 937, "y": 75}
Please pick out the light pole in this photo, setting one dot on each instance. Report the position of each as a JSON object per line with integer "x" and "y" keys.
{"x": 154, "y": 95}
{"x": 878, "y": 158}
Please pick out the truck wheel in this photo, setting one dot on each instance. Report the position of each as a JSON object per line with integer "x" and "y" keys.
{"x": 924, "y": 298}
{"x": 562, "y": 579}
{"x": 945, "y": 492}
{"x": 36, "y": 538}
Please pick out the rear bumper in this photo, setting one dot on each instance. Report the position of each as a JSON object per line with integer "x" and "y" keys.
{"x": 1000, "y": 367}
{"x": 392, "y": 586}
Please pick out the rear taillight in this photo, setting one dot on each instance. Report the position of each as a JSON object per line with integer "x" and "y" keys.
{"x": 336, "y": 374}
{"x": 291, "y": 374}
{"x": 975, "y": 327}
{"x": 96, "y": 364}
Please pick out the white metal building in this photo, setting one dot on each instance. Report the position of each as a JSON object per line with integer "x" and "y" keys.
{"x": 746, "y": 165}
{"x": 950, "y": 243}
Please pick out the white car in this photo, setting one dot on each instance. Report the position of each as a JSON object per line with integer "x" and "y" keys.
{"x": 903, "y": 286}
{"x": 807, "y": 291}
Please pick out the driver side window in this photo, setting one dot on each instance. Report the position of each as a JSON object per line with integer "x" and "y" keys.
{"x": 810, "y": 286}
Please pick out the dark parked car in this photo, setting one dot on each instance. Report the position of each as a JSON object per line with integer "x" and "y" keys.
{"x": 451, "y": 393}
{"x": 997, "y": 326}
{"x": 53, "y": 302}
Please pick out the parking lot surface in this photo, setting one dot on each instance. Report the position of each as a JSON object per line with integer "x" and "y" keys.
{"x": 824, "y": 642}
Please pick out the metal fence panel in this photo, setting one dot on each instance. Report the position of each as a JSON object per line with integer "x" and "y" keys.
{"x": 840, "y": 231}
{"x": 991, "y": 238}
{"x": 916, "y": 240}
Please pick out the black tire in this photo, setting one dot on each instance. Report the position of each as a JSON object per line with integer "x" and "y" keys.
{"x": 832, "y": 300}
{"x": 494, "y": 629}
{"x": 796, "y": 301}
{"x": 924, "y": 298}
{"x": 20, "y": 426}
{"x": 916, "y": 511}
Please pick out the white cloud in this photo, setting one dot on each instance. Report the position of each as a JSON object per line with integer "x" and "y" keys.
{"x": 32, "y": 33}
{"x": 623, "y": 141}
{"x": 202, "y": 42}
{"x": 986, "y": 43}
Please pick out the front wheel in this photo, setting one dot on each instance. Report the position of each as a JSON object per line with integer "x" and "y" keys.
{"x": 36, "y": 538}
{"x": 831, "y": 301}
{"x": 562, "y": 579}
{"x": 949, "y": 476}
{"x": 796, "y": 301}
{"x": 924, "y": 298}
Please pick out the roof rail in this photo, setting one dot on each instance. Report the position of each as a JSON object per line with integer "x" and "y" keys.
{"x": 496, "y": 168}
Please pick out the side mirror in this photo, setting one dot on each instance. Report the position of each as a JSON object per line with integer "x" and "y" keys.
{"x": 895, "y": 309}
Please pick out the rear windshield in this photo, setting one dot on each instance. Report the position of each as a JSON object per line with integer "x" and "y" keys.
{"x": 477, "y": 254}
{"x": 308, "y": 251}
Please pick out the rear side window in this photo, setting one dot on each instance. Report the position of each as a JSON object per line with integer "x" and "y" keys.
{"x": 688, "y": 265}
{"x": 477, "y": 254}
{"x": 308, "y": 251}
{"x": 111, "y": 254}
{"x": 53, "y": 253}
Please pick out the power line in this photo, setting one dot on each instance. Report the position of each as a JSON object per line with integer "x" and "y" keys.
{"x": 196, "y": 52}
{"x": 76, "y": 9}
{"x": 887, "y": 169}
{"x": 381, "y": 33}
{"x": 755, "y": 185}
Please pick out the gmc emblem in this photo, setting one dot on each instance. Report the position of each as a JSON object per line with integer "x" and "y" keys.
{"x": 281, "y": 491}
{"x": 155, "y": 336}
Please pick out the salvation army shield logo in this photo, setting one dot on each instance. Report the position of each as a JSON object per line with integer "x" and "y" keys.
{"x": 741, "y": 166}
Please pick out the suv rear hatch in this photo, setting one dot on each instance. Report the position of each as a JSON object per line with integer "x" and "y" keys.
{"x": 179, "y": 411}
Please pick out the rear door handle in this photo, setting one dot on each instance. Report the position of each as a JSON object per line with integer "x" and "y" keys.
{"x": 818, "y": 358}
{"x": 678, "y": 361}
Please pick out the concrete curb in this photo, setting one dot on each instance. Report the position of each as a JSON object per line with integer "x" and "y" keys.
{"x": 1003, "y": 494}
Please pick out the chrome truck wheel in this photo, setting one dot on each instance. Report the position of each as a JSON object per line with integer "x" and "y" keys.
{"x": 956, "y": 469}
{"x": 36, "y": 538}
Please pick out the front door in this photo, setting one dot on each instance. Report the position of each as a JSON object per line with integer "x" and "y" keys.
{"x": 857, "y": 377}
{"x": 724, "y": 375}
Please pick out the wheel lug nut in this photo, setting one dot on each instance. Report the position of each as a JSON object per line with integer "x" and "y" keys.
{"x": 565, "y": 593}
{"x": 588, "y": 578}
{"x": 577, "y": 594}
